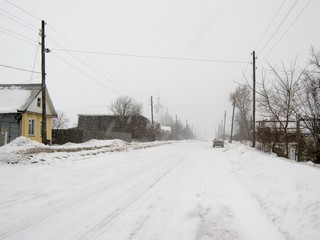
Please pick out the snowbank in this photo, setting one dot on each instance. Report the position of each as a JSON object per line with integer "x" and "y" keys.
{"x": 179, "y": 191}
{"x": 289, "y": 192}
{"x": 25, "y": 151}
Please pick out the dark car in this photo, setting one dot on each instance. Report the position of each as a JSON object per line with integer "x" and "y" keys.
{"x": 218, "y": 142}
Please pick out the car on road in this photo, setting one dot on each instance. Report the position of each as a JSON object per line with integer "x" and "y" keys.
{"x": 217, "y": 142}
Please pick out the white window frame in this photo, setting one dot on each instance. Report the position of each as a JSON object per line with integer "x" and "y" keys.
{"x": 32, "y": 127}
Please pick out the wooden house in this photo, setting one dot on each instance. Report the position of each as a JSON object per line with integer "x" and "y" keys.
{"x": 21, "y": 112}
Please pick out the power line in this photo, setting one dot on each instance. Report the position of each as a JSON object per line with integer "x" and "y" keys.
{"x": 24, "y": 40}
{"x": 88, "y": 66}
{"x": 278, "y": 27}
{"x": 18, "y": 20}
{"x": 16, "y": 68}
{"x": 274, "y": 17}
{"x": 18, "y": 34}
{"x": 86, "y": 74}
{"x": 35, "y": 58}
{"x": 294, "y": 21}
{"x": 122, "y": 85}
{"x": 23, "y": 10}
{"x": 30, "y": 79}
{"x": 152, "y": 56}
{"x": 94, "y": 70}
{"x": 197, "y": 107}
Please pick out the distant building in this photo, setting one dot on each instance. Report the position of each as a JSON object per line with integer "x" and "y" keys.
{"x": 161, "y": 114}
{"x": 133, "y": 127}
{"x": 158, "y": 111}
{"x": 100, "y": 123}
{"x": 21, "y": 112}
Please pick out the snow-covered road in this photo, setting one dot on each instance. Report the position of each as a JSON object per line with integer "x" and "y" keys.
{"x": 185, "y": 190}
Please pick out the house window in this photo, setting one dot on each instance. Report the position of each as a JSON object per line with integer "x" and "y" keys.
{"x": 32, "y": 127}
{"x": 39, "y": 102}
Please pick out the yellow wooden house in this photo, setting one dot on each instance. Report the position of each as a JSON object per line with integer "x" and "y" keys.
{"x": 21, "y": 112}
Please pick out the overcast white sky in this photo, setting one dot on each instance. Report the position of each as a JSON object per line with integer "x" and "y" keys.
{"x": 195, "y": 91}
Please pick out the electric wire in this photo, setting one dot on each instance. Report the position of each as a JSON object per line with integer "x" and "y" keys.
{"x": 16, "y": 68}
{"x": 108, "y": 79}
{"x": 287, "y": 30}
{"x": 152, "y": 56}
{"x": 247, "y": 65}
{"x": 197, "y": 107}
{"x": 21, "y": 39}
{"x": 18, "y": 34}
{"x": 279, "y": 26}
{"x": 18, "y": 20}
{"x": 23, "y": 10}
{"x": 86, "y": 74}
{"x": 35, "y": 58}
{"x": 273, "y": 19}
{"x": 30, "y": 80}
{"x": 118, "y": 82}
{"x": 85, "y": 65}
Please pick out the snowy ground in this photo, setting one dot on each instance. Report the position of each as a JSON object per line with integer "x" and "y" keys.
{"x": 183, "y": 190}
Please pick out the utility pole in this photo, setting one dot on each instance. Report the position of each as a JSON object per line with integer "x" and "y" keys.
{"x": 254, "y": 100}
{"x": 151, "y": 110}
{"x": 152, "y": 118}
{"x": 234, "y": 105}
{"x": 176, "y": 127}
{"x": 224, "y": 125}
{"x": 43, "y": 84}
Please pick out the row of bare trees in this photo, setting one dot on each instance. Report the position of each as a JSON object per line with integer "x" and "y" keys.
{"x": 286, "y": 97}
{"x": 129, "y": 112}
{"x": 126, "y": 106}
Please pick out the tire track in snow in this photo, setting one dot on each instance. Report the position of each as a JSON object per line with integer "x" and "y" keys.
{"x": 160, "y": 209}
{"x": 228, "y": 211}
{"x": 81, "y": 199}
{"x": 101, "y": 226}
{"x": 168, "y": 187}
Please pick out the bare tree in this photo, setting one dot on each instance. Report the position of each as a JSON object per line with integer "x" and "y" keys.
{"x": 177, "y": 129}
{"x": 61, "y": 121}
{"x": 126, "y": 106}
{"x": 241, "y": 97}
{"x": 128, "y": 111}
{"x": 277, "y": 96}
{"x": 308, "y": 100}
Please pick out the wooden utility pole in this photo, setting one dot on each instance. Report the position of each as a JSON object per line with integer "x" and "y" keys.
{"x": 153, "y": 138}
{"x": 43, "y": 85}
{"x": 234, "y": 106}
{"x": 177, "y": 134}
{"x": 224, "y": 125}
{"x": 254, "y": 100}
{"x": 151, "y": 110}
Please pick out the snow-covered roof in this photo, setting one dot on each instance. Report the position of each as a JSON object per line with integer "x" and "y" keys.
{"x": 18, "y": 97}
{"x": 95, "y": 111}
{"x": 166, "y": 128}
{"x": 13, "y": 99}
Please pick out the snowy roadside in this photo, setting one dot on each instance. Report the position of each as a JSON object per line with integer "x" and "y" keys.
{"x": 24, "y": 151}
{"x": 287, "y": 191}
{"x": 186, "y": 191}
